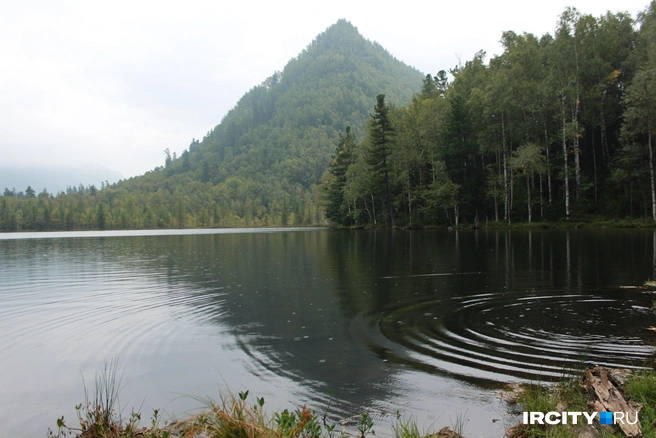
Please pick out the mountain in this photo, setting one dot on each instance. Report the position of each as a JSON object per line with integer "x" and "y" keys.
{"x": 557, "y": 127}
{"x": 55, "y": 179}
{"x": 261, "y": 162}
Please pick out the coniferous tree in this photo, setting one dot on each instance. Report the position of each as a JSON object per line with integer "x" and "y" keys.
{"x": 381, "y": 134}
{"x": 337, "y": 209}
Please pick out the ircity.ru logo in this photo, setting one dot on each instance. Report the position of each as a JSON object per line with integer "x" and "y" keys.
{"x": 573, "y": 417}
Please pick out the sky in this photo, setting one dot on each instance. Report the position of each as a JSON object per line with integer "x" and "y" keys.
{"x": 113, "y": 84}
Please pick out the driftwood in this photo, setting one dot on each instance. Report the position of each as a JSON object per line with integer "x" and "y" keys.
{"x": 445, "y": 432}
{"x": 611, "y": 399}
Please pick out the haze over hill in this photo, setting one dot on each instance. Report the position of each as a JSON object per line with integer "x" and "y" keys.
{"x": 261, "y": 164}
{"x": 55, "y": 179}
{"x": 557, "y": 127}
{"x": 270, "y": 150}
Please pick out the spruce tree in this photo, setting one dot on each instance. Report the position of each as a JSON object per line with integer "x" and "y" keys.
{"x": 381, "y": 134}
{"x": 336, "y": 208}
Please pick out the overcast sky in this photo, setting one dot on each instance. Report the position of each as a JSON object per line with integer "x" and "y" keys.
{"x": 115, "y": 83}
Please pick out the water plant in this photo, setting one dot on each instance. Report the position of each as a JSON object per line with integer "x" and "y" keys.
{"x": 405, "y": 427}
{"x": 100, "y": 415}
{"x": 231, "y": 416}
{"x": 459, "y": 424}
{"x": 366, "y": 425}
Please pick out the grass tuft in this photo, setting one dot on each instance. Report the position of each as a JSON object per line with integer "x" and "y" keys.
{"x": 641, "y": 388}
{"x": 571, "y": 395}
{"x": 405, "y": 427}
{"x": 232, "y": 416}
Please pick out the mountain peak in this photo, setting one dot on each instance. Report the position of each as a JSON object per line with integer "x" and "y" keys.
{"x": 342, "y": 25}
{"x": 270, "y": 150}
{"x": 340, "y": 36}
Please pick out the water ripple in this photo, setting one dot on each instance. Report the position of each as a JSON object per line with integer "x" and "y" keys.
{"x": 504, "y": 336}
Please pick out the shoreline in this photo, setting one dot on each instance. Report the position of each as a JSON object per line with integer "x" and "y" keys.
{"x": 245, "y": 416}
{"x": 500, "y": 225}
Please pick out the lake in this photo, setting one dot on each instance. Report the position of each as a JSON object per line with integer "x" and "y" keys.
{"x": 430, "y": 323}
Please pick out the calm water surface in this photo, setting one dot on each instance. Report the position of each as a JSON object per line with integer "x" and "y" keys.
{"x": 431, "y": 323}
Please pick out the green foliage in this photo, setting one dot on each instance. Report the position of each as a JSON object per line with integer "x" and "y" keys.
{"x": 100, "y": 417}
{"x": 366, "y": 425}
{"x": 641, "y": 388}
{"x": 337, "y": 208}
{"x": 405, "y": 427}
{"x": 556, "y": 126}
{"x": 570, "y": 395}
{"x": 381, "y": 142}
{"x": 261, "y": 165}
{"x": 232, "y": 416}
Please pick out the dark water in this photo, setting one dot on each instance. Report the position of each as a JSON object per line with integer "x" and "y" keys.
{"x": 430, "y": 323}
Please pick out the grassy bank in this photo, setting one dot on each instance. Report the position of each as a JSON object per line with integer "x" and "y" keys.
{"x": 241, "y": 416}
{"x": 232, "y": 416}
{"x": 575, "y": 396}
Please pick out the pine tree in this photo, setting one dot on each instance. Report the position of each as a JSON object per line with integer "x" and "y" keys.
{"x": 336, "y": 207}
{"x": 381, "y": 134}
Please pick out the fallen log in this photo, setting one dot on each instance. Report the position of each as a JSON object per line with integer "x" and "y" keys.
{"x": 611, "y": 399}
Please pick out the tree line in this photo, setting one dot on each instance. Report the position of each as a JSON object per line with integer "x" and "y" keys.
{"x": 557, "y": 127}
{"x": 554, "y": 128}
{"x": 259, "y": 167}
{"x": 194, "y": 205}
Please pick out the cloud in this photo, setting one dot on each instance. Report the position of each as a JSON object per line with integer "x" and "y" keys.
{"x": 116, "y": 83}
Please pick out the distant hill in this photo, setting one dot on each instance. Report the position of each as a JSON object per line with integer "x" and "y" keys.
{"x": 259, "y": 167}
{"x": 55, "y": 179}
{"x": 264, "y": 158}
{"x": 557, "y": 128}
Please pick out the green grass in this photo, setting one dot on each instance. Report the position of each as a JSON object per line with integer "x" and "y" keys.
{"x": 570, "y": 395}
{"x": 232, "y": 416}
{"x": 642, "y": 389}
{"x": 405, "y": 427}
{"x": 238, "y": 416}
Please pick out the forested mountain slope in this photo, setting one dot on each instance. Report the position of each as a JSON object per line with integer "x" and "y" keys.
{"x": 556, "y": 127}
{"x": 261, "y": 162}
{"x": 260, "y": 165}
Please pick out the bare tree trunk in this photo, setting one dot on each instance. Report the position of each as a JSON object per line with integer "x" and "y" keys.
{"x": 651, "y": 172}
{"x": 512, "y": 189}
{"x": 506, "y": 212}
{"x": 594, "y": 164}
{"x": 604, "y": 137}
{"x": 496, "y": 198}
{"x": 368, "y": 212}
{"x": 541, "y": 203}
{"x": 565, "y": 158}
{"x": 512, "y": 186}
{"x": 577, "y": 161}
{"x": 409, "y": 202}
{"x": 389, "y": 198}
{"x": 546, "y": 146}
{"x": 446, "y": 212}
{"x": 528, "y": 194}
{"x": 496, "y": 208}
{"x": 577, "y": 151}
{"x": 631, "y": 199}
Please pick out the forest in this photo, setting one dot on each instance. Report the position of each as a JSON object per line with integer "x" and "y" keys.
{"x": 555, "y": 128}
{"x": 260, "y": 166}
